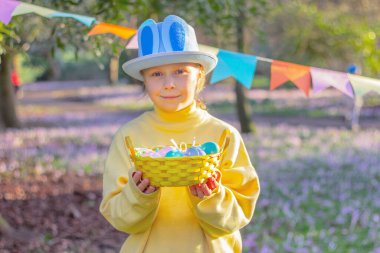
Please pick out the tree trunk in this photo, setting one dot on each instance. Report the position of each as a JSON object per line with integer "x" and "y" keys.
{"x": 8, "y": 114}
{"x": 241, "y": 100}
{"x": 53, "y": 70}
{"x": 113, "y": 75}
{"x": 241, "y": 103}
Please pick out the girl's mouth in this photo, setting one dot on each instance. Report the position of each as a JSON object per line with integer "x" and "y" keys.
{"x": 170, "y": 97}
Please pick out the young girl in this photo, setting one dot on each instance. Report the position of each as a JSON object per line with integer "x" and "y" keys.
{"x": 199, "y": 218}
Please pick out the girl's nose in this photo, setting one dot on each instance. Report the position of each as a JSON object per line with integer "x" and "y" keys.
{"x": 169, "y": 83}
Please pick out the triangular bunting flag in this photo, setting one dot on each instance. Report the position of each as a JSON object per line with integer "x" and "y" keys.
{"x": 324, "y": 78}
{"x": 363, "y": 85}
{"x": 25, "y": 8}
{"x": 88, "y": 21}
{"x": 7, "y": 7}
{"x": 121, "y": 31}
{"x": 282, "y": 72}
{"x": 240, "y": 66}
{"x": 133, "y": 43}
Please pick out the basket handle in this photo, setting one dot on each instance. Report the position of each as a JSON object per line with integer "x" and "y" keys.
{"x": 224, "y": 140}
{"x": 129, "y": 145}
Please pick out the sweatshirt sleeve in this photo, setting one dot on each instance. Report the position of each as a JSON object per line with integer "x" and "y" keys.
{"x": 232, "y": 204}
{"x": 123, "y": 205}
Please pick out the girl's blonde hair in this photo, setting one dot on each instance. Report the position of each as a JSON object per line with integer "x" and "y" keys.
{"x": 199, "y": 88}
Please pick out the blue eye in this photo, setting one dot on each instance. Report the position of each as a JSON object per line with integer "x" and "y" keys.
{"x": 156, "y": 74}
{"x": 180, "y": 71}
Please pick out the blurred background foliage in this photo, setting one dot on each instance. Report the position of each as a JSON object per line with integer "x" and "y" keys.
{"x": 326, "y": 34}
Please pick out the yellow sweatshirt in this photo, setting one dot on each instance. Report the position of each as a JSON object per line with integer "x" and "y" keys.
{"x": 172, "y": 219}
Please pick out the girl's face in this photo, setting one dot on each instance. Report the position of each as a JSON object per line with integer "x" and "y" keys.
{"x": 172, "y": 87}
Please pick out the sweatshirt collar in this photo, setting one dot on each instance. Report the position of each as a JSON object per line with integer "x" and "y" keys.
{"x": 179, "y": 121}
{"x": 183, "y": 115}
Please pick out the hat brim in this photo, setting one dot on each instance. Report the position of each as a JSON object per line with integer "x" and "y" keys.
{"x": 133, "y": 67}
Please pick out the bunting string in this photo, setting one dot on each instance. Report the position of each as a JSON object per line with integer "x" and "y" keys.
{"x": 240, "y": 66}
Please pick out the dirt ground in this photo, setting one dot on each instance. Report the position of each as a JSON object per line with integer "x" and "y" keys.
{"x": 56, "y": 213}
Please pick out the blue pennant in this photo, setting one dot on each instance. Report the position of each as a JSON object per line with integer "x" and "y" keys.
{"x": 88, "y": 21}
{"x": 240, "y": 66}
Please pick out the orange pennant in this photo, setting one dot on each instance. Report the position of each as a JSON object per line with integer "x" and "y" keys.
{"x": 285, "y": 71}
{"x": 121, "y": 31}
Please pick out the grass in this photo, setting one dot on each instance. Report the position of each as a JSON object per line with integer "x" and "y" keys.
{"x": 268, "y": 108}
{"x": 319, "y": 191}
{"x": 131, "y": 107}
{"x": 319, "y": 187}
{"x": 38, "y": 110}
{"x": 303, "y": 193}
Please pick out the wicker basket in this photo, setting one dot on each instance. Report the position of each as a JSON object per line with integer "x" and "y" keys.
{"x": 179, "y": 171}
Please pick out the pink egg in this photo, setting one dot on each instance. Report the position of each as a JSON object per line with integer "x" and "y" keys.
{"x": 144, "y": 154}
{"x": 155, "y": 155}
{"x": 148, "y": 153}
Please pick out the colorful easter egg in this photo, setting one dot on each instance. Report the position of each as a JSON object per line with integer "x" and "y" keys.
{"x": 149, "y": 153}
{"x": 156, "y": 155}
{"x": 141, "y": 151}
{"x": 210, "y": 147}
{"x": 162, "y": 152}
{"x": 174, "y": 153}
{"x": 194, "y": 151}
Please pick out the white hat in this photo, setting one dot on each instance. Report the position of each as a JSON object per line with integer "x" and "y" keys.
{"x": 171, "y": 41}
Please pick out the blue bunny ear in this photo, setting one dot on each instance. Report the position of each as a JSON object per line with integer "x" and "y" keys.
{"x": 174, "y": 18}
{"x": 149, "y": 38}
{"x": 174, "y": 33}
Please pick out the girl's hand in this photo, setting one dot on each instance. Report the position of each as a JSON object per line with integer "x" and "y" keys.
{"x": 143, "y": 184}
{"x": 205, "y": 189}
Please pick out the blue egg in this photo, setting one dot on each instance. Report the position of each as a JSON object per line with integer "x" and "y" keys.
{"x": 194, "y": 151}
{"x": 210, "y": 147}
{"x": 174, "y": 153}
